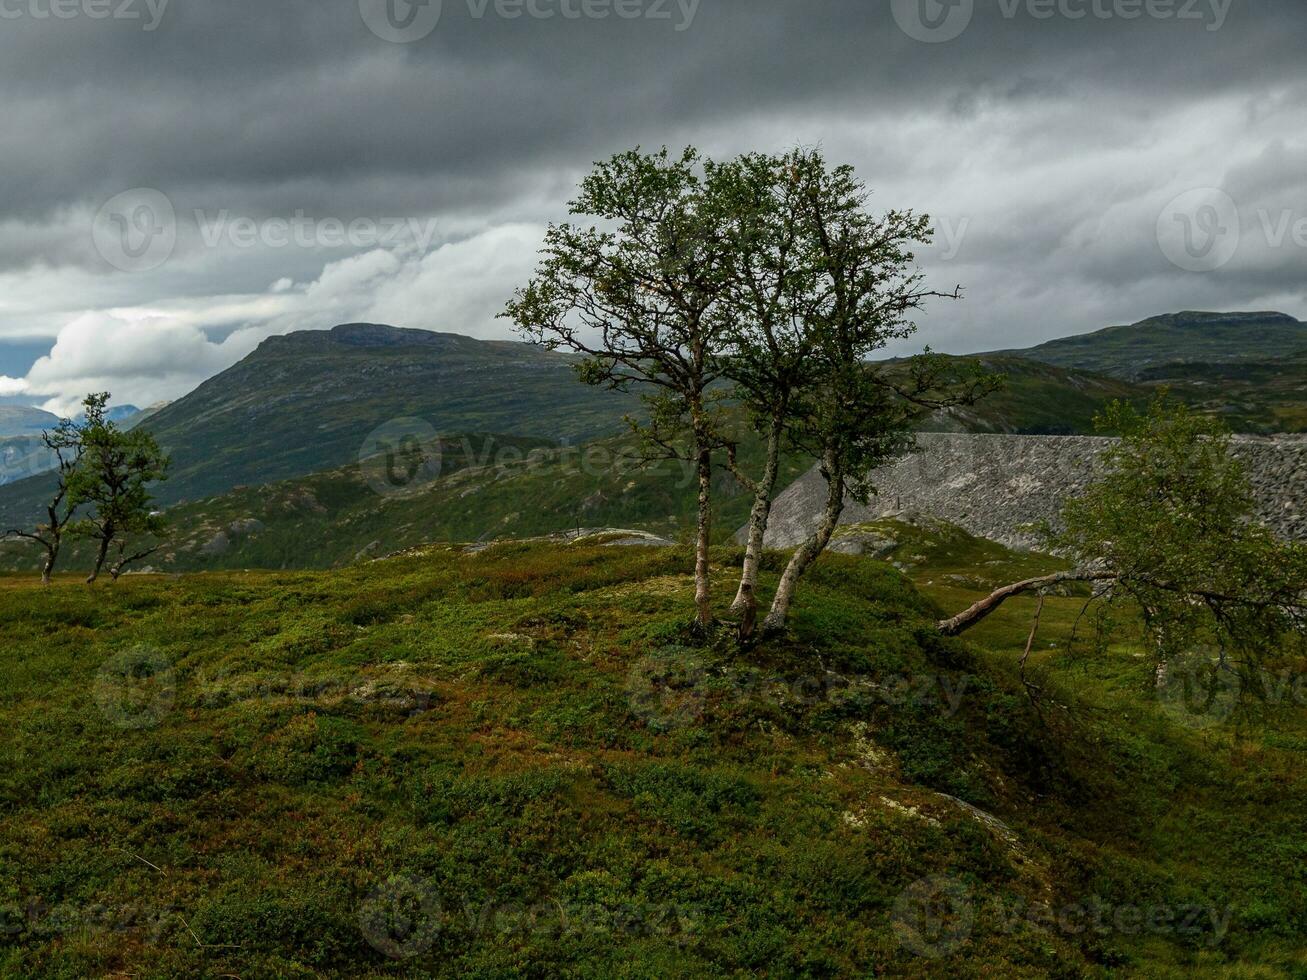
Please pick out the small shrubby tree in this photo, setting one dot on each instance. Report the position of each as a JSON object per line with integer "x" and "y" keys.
{"x": 64, "y": 442}
{"x": 113, "y": 480}
{"x": 1168, "y": 530}
{"x": 764, "y": 280}
{"x": 638, "y": 291}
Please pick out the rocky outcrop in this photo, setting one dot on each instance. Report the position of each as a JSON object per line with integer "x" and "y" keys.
{"x": 996, "y": 485}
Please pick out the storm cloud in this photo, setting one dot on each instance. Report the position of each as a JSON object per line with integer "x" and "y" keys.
{"x": 1086, "y": 162}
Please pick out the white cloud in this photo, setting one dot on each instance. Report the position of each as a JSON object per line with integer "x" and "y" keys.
{"x": 161, "y": 352}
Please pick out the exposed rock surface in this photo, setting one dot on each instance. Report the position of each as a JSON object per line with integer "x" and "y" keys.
{"x": 992, "y": 485}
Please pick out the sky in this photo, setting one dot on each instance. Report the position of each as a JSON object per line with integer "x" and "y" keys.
{"x": 184, "y": 178}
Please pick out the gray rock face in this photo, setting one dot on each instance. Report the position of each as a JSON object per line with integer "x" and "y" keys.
{"x": 992, "y": 485}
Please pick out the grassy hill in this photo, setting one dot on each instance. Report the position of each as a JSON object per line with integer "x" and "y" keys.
{"x": 307, "y": 402}
{"x": 1252, "y": 396}
{"x": 1038, "y": 399}
{"x": 488, "y": 487}
{"x": 494, "y": 486}
{"x": 1127, "y": 352}
{"x": 515, "y": 763}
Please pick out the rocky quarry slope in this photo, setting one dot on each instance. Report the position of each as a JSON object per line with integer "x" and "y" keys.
{"x": 996, "y": 485}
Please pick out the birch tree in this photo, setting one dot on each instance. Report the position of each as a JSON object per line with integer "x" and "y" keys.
{"x": 636, "y": 288}
{"x": 855, "y": 295}
{"x": 64, "y": 442}
{"x": 1168, "y": 530}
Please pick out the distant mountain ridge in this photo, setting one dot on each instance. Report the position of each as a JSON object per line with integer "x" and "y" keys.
{"x": 305, "y": 402}
{"x": 1129, "y": 351}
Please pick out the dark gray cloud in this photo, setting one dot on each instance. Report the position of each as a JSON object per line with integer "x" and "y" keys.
{"x": 1049, "y": 138}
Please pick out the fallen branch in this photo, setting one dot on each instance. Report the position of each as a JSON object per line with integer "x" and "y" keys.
{"x": 969, "y": 617}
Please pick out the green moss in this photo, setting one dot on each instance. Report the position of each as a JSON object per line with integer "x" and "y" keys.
{"x": 521, "y": 763}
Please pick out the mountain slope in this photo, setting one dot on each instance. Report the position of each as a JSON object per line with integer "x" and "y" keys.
{"x": 1037, "y": 399}
{"x": 24, "y": 420}
{"x": 1251, "y": 396}
{"x": 306, "y": 402}
{"x": 520, "y": 764}
{"x": 1128, "y": 351}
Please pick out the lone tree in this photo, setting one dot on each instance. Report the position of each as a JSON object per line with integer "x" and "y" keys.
{"x": 640, "y": 298}
{"x": 113, "y": 478}
{"x": 1168, "y": 529}
{"x": 65, "y": 442}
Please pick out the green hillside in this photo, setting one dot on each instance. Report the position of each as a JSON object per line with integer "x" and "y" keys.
{"x": 515, "y": 764}
{"x": 1127, "y": 352}
{"x": 1038, "y": 399}
{"x": 306, "y": 402}
{"x": 488, "y": 487}
{"x": 494, "y": 486}
{"x": 1252, "y": 396}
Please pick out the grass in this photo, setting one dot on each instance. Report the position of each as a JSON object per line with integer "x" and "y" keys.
{"x": 519, "y": 763}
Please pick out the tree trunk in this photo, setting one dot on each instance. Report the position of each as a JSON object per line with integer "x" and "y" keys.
{"x": 746, "y": 597}
{"x": 47, "y": 570}
{"x": 702, "y": 595}
{"x": 809, "y": 551}
{"x": 99, "y": 560}
{"x": 969, "y": 617}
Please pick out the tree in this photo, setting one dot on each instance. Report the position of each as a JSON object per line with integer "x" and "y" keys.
{"x": 65, "y": 442}
{"x": 857, "y": 415}
{"x": 772, "y": 286}
{"x": 641, "y": 299}
{"x": 1168, "y": 529}
{"x": 113, "y": 479}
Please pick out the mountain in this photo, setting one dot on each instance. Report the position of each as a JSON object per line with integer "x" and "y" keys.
{"x": 24, "y": 420}
{"x": 306, "y": 402}
{"x": 1037, "y": 399}
{"x": 491, "y": 487}
{"x": 1128, "y": 352}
